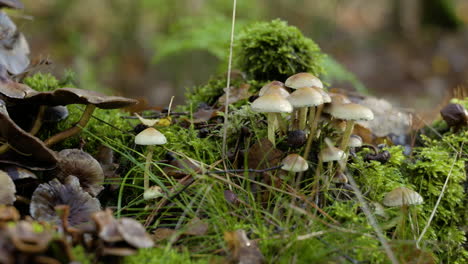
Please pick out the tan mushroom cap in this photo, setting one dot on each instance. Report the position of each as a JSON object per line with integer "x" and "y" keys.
{"x": 294, "y": 163}
{"x": 337, "y": 98}
{"x": 402, "y": 196}
{"x": 150, "y": 136}
{"x": 7, "y": 189}
{"x": 326, "y": 97}
{"x": 351, "y": 111}
{"x": 305, "y": 97}
{"x": 134, "y": 233}
{"x": 303, "y": 79}
{"x": 274, "y": 89}
{"x": 331, "y": 153}
{"x": 153, "y": 192}
{"x": 271, "y": 103}
{"x": 107, "y": 226}
{"x": 268, "y": 85}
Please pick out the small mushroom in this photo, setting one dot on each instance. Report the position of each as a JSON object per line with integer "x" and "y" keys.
{"x": 303, "y": 79}
{"x": 153, "y": 192}
{"x": 149, "y": 137}
{"x": 402, "y": 196}
{"x": 83, "y": 166}
{"x": 271, "y": 104}
{"x": 107, "y": 226}
{"x": 278, "y": 89}
{"x": 455, "y": 115}
{"x": 134, "y": 233}
{"x": 304, "y": 98}
{"x": 294, "y": 163}
{"x": 296, "y": 138}
{"x": 7, "y": 189}
{"x": 28, "y": 238}
{"x": 53, "y": 193}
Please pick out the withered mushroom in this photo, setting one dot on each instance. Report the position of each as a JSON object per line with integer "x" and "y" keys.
{"x": 15, "y": 4}
{"x": 27, "y": 238}
{"x": 7, "y": 189}
{"x": 134, "y": 233}
{"x": 66, "y": 96}
{"x": 48, "y": 195}
{"x": 107, "y": 226}
{"x": 83, "y": 166}
{"x": 20, "y": 148}
{"x": 14, "y": 48}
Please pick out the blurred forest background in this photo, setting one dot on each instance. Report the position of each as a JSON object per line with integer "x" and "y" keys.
{"x": 412, "y": 52}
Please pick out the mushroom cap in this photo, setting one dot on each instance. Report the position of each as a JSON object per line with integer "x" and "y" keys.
{"x": 48, "y": 195}
{"x": 331, "y": 153}
{"x": 107, "y": 226}
{"x": 303, "y": 79}
{"x": 355, "y": 141}
{"x": 29, "y": 151}
{"x": 402, "y": 196}
{"x": 15, "y": 4}
{"x": 134, "y": 233}
{"x": 325, "y": 96}
{"x": 17, "y": 173}
{"x": 305, "y": 97}
{"x": 340, "y": 177}
{"x": 294, "y": 163}
{"x": 66, "y": 96}
{"x": 150, "y": 136}
{"x": 10, "y": 89}
{"x": 7, "y": 189}
{"x": 54, "y": 114}
{"x": 350, "y": 111}
{"x": 83, "y": 166}
{"x": 274, "y": 89}
{"x": 337, "y": 98}
{"x": 271, "y": 103}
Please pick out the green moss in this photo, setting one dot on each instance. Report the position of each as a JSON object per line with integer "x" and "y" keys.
{"x": 81, "y": 256}
{"x": 274, "y": 51}
{"x": 44, "y": 82}
{"x": 432, "y": 165}
{"x": 161, "y": 255}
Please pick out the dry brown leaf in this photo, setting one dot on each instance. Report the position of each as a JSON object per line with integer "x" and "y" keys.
{"x": 263, "y": 155}
{"x": 236, "y": 94}
{"x": 196, "y": 227}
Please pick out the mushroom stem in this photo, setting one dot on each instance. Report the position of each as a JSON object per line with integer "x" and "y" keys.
{"x": 347, "y": 135}
{"x": 281, "y": 123}
{"x": 4, "y": 148}
{"x": 271, "y": 117}
{"x": 73, "y": 130}
{"x": 302, "y": 117}
{"x": 38, "y": 122}
{"x": 149, "y": 157}
{"x": 314, "y": 116}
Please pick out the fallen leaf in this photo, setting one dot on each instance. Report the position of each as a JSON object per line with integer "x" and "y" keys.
{"x": 263, "y": 155}
{"x": 196, "y": 227}
{"x": 236, "y": 94}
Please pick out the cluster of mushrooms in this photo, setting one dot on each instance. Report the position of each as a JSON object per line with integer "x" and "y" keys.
{"x": 300, "y": 112}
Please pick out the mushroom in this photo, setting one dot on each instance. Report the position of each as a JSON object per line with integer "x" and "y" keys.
{"x": 14, "y": 48}
{"x": 106, "y": 226}
{"x": 303, "y": 79}
{"x": 402, "y": 196}
{"x": 329, "y": 155}
{"x": 83, "y": 166}
{"x": 7, "y": 189}
{"x": 304, "y": 98}
{"x": 153, "y": 192}
{"x": 279, "y": 89}
{"x": 350, "y": 112}
{"x": 134, "y": 233}
{"x": 21, "y": 148}
{"x": 28, "y": 238}
{"x": 149, "y": 137}
{"x": 294, "y": 163}
{"x": 271, "y": 104}
{"x": 48, "y": 195}
{"x": 66, "y": 96}
{"x": 268, "y": 85}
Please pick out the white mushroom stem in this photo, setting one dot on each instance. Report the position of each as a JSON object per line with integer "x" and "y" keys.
{"x": 271, "y": 117}
{"x": 347, "y": 135}
{"x": 302, "y": 117}
{"x": 314, "y": 116}
{"x": 149, "y": 157}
